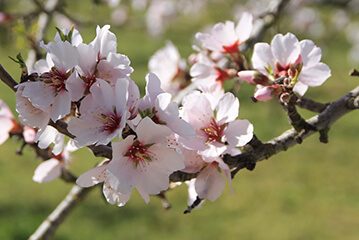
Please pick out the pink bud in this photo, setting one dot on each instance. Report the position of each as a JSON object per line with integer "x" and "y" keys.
{"x": 253, "y": 77}
{"x": 263, "y": 93}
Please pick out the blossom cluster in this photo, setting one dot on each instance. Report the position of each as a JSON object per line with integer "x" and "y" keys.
{"x": 89, "y": 87}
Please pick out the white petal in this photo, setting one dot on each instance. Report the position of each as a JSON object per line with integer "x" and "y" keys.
{"x": 47, "y": 171}
{"x": 239, "y": 132}
{"x": 285, "y": 48}
{"x": 262, "y": 57}
{"x": 149, "y": 132}
{"x": 46, "y": 136}
{"x": 92, "y": 177}
{"x": 210, "y": 183}
{"x": 227, "y": 109}
{"x": 244, "y": 27}
{"x": 300, "y": 88}
{"x": 315, "y": 75}
{"x": 61, "y": 106}
{"x": 310, "y": 53}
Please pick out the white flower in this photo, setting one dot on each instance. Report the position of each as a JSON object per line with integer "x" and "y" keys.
{"x": 225, "y": 37}
{"x": 7, "y": 122}
{"x": 103, "y": 114}
{"x": 217, "y": 130}
{"x": 105, "y": 42}
{"x": 289, "y": 58}
{"x": 158, "y": 106}
{"x": 144, "y": 163}
{"x": 167, "y": 64}
{"x": 51, "y": 93}
{"x": 52, "y": 168}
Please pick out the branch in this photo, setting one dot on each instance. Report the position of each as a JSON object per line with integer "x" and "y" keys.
{"x": 321, "y": 122}
{"x": 7, "y": 79}
{"x": 48, "y": 227}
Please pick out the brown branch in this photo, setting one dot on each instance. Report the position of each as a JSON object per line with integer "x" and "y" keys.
{"x": 7, "y": 79}
{"x": 321, "y": 122}
{"x": 311, "y": 105}
{"x": 48, "y": 227}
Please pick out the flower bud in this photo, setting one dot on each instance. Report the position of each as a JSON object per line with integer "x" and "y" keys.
{"x": 253, "y": 77}
{"x": 263, "y": 93}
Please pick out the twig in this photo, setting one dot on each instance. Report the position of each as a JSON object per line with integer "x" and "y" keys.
{"x": 310, "y": 105}
{"x": 48, "y": 227}
{"x": 7, "y": 79}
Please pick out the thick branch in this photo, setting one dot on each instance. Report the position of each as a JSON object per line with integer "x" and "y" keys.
{"x": 48, "y": 227}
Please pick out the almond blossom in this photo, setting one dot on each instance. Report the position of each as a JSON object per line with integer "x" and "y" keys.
{"x": 7, "y": 122}
{"x": 144, "y": 163}
{"x": 226, "y": 37}
{"x": 212, "y": 175}
{"x": 52, "y": 168}
{"x": 158, "y": 105}
{"x": 51, "y": 93}
{"x": 296, "y": 62}
{"x": 217, "y": 130}
{"x": 168, "y": 65}
{"x": 103, "y": 114}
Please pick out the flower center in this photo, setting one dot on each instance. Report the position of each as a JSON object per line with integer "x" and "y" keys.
{"x": 55, "y": 78}
{"x": 233, "y": 48}
{"x": 222, "y": 75}
{"x": 291, "y": 70}
{"x": 214, "y": 132}
{"x": 138, "y": 152}
{"x": 89, "y": 81}
{"x": 111, "y": 122}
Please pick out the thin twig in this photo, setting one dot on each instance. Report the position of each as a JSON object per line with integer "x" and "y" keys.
{"x": 48, "y": 227}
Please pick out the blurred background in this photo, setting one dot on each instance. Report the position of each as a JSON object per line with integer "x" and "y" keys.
{"x": 309, "y": 192}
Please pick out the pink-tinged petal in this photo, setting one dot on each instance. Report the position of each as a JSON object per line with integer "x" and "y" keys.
{"x": 61, "y": 106}
{"x": 63, "y": 54}
{"x": 196, "y": 110}
{"x": 105, "y": 41}
{"x": 263, "y": 93}
{"x": 262, "y": 58}
{"x": 28, "y": 114}
{"x": 239, "y": 132}
{"x": 285, "y": 48}
{"x": 210, "y": 183}
{"x": 149, "y": 132}
{"x": 92, "y": 177}
{"x": 214, "y": 150}
{"x": 142, "y": 191}
{"x": 244, "y": 27}
{"x": 192, "y": 160}
{"x": 76, "y": 87}
{"x": 227, "y": 109}
{"x": 47, "y": 171}
{"x": 133, "y": 98}
{"x": 310, "y": 53}
{"x": 86, "y": 132}
{"x": 41, "y": 95}
{"x": 5, "y": 110}
{"x": 119, "y": 149}
{"x": 103, "y": 93}
{"x": 46, "y": 136}
{"x": 300, "y": 88}
{"x": 315, "y": 75}
{"x": 167, "y": 159}
{"x": 41, "y": 66}
{"x": 5, "y": 126}
{"x": 29, "y": 134}
{"x": 200, "y": 70}
{"x": 125, "y": 171}
{"x": 88, "y": 59}
{"x": 114, "y": 197}
{"x": 121, "y": 95}
{"x": 153, "y": 89}
{"x": 248, "y": 76}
